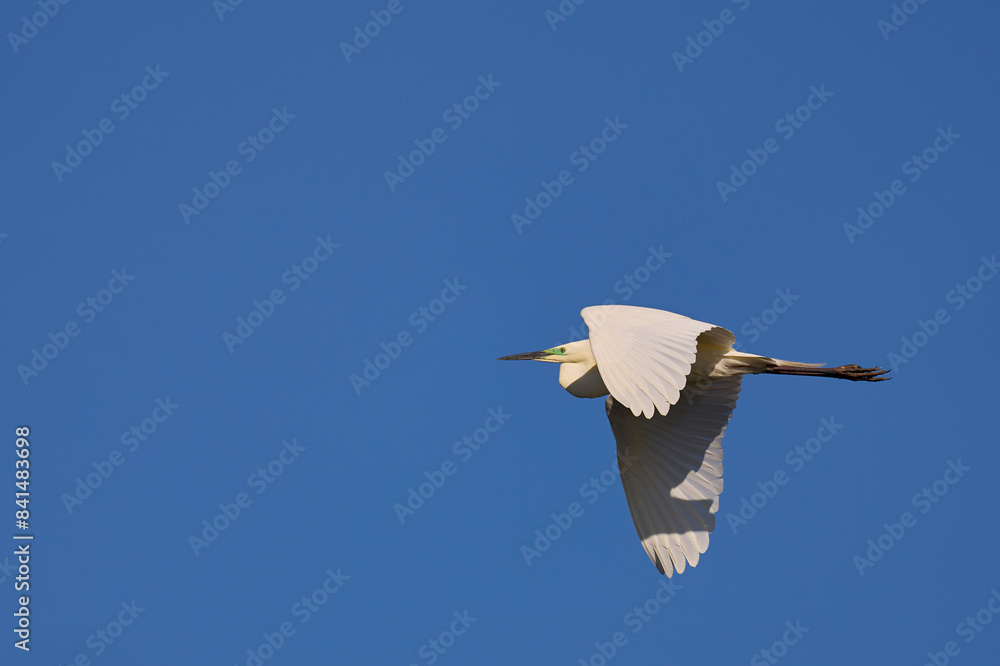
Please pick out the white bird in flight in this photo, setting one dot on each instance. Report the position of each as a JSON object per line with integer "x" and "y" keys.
{"x": 673, "y": 385}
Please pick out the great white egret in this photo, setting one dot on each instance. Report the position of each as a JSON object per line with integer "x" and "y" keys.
{"x": 673, "y": 385}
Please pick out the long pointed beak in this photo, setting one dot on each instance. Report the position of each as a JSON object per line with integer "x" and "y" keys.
{"x": 529, "y": 356}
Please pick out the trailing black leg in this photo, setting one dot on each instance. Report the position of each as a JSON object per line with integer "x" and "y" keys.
{"x": 855, "y": 373}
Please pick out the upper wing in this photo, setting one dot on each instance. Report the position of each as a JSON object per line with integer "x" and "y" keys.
{"x": 644, "y": 355}
{"x": 671, "y": 468}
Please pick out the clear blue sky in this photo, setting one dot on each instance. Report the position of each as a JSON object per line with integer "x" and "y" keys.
{"x": 216, "y": 214}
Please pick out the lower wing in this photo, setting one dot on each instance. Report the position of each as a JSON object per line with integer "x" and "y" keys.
{"x": 671, "y": 468}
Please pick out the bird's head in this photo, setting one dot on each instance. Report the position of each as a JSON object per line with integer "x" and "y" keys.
{"x": 571, "y": 352}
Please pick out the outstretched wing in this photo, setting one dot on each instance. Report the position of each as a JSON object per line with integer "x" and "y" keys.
{"x": 645, "y": 355}
{"x": 671, "y": 468}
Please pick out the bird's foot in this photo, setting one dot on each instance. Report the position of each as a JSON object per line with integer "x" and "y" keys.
{"x": 856, "y": 373}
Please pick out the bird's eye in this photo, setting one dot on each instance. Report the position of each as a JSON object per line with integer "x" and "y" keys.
{"x": 562, "y": 350}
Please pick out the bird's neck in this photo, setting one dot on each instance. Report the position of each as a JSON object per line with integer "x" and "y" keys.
{"x": 582, "y": 378}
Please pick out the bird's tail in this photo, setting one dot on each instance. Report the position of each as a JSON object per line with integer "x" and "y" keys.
{"x": 754, "y": 364}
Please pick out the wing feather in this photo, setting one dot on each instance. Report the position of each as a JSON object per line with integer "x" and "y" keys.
{"x": 671, "y": 469}
{"x": 645, "y": 355}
